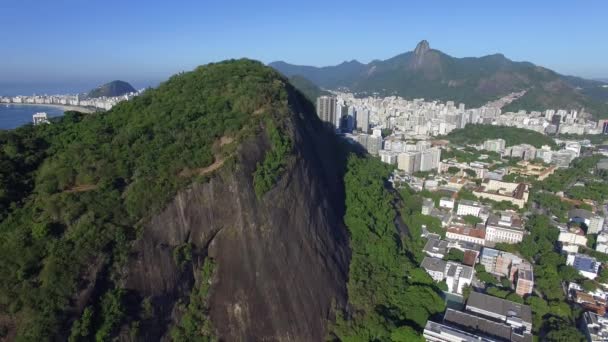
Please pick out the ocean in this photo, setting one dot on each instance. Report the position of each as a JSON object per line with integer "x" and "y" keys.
{"x": 14, "y": 115}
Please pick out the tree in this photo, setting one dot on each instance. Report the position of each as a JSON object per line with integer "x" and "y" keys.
{"x": 455, "y": 255}
{"x": 453, "y": 170}
{"x": 406, "y": 334}
{"x": 470, "y": 173}
{"x": 472, "y": 219}
{"x": 563, "y": 331}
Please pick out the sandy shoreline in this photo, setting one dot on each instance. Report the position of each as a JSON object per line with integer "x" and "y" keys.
{"x": 65, "y": 108}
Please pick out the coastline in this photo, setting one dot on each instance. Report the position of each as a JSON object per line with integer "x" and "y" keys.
{"x": 65, "y": 108}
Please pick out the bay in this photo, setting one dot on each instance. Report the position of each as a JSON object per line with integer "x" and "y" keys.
{"x": 15, "y": 115}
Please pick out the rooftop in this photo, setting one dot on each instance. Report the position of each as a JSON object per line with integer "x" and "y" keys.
{"x": 585, "y": 263}
{"x": 468, "y": 231}
{"x": 499, "y": 306}
{"x": 433, "y": 264}
{"x": 436, "y": 246}
{"x": 482, "y": 326}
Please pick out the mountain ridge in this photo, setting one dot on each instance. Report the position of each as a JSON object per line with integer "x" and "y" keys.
{"x": 429, "y": 73}
{"x": 111, "y": 89}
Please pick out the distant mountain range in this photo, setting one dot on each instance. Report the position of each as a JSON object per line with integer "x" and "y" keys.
{"x": 112, "y": 89}
{"x": 431, "y": 74}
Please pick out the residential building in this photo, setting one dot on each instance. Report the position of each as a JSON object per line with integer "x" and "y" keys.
{"x": 587, "y": 266}
{"x": 523, "y": 151}
{"x": 469, "y": 234}
{"x": 457, "y": 276}
{"x": 467, "y": 207}
{"x": 435, "y": 267}
{"x": 427, "y": 206}
{"x": 516, "y": 193}
{"x": 436, "y": 248}
{"x": 498, "y": 262}
{"x": 326, "y": 109}
{"x": 484, "y": 319}
{"x": 388, "y": 157}
{"x": 594, "y": 327}
{"x": 506, "y": 228}
{"x": 601, "y": 245}
{"x": 429, "y": 159}
{"x": 573, "y": 236}
{"x": 363, "y": 120}
{"x": 494, "y": 145}
{"x": 516, "y": 315}
{"x": 408, "y": 162}
{"x": 524, "y": 281}
{"x": 594, "y": 222}
{"x": 446, "y": 202}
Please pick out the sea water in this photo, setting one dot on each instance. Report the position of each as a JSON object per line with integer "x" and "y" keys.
{"x": 15, "y": 115}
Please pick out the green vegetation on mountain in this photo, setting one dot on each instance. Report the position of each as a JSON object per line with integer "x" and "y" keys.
{"x": 268, "y": 172}
{"x": 195, "y": 324}
{"x": 112, "y": 89}
{"x": 390, "y": 297}
{"x": 477, "y": 134}
{"x": 74, "y": 193}
{"x": 306, "y": 87}
{"x": 434, "y": 75}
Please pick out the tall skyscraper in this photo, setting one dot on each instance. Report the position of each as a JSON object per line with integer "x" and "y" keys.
{"x": 326, "y": 109}
{"x": 430, "y": 159}
{"x": 342, "y": 117}
{"x": 363, "y": 120}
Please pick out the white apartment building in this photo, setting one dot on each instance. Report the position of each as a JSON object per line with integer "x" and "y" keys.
{"x": 446, "y": 202}
{"x": 430, "y": 159}
{"x": 574, "y": 236}
{"x": 388, "y": 157}
{"x": 408, "y": 162}
{"x": 457, "y": 276}
{"x": 467, "y": 207}
{"x": 506, "y": 228}
{"x": 434, "y": 267}
{"x": 494, "y": 145}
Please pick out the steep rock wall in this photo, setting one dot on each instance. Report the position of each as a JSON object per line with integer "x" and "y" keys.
{"x": 282, "y": 259}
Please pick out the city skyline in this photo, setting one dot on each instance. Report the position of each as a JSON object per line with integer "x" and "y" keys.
{"x": 76, "y": 43}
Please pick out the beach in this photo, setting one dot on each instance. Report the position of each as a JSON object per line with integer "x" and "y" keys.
{"x": 65, "y": 108}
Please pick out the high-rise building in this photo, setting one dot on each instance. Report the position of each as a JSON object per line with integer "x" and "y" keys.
{"x": 326, "y": 109}
{"x": 430, "y": 159}
{"x": 409, "y": 162}
{"x": 494, "y": 145}
{"x": 342, "y": 117}
{"x": 363, "y": 120}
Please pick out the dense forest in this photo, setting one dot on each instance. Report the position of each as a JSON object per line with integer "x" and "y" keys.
{"x": 390, "y": 297}
{"x": 477, "y": 134}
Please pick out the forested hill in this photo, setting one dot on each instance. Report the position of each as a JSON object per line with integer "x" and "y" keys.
{"x": 431, "y": 74}
{"x": 477, "y": 134}
{"x": 112, "y": 89}
{"x": 160, "y": 217}
{"x": 309, "y": 89}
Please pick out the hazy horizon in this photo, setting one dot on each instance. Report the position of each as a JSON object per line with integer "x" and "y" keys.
{"x": 92, "y": 43}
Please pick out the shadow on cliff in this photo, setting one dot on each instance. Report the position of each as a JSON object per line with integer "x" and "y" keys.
{"x": 282, "y": 258}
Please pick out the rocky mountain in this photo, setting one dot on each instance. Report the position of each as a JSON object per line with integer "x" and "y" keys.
{"x": 210, "y": 207}
{"x": 111, "y": 89}
{"x": 432, "y": 74}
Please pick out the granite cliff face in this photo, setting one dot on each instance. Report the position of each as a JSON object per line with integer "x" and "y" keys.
{"x": 282, "y": 258}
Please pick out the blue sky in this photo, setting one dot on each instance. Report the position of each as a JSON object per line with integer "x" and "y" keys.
{"x": 88, "y": 42}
